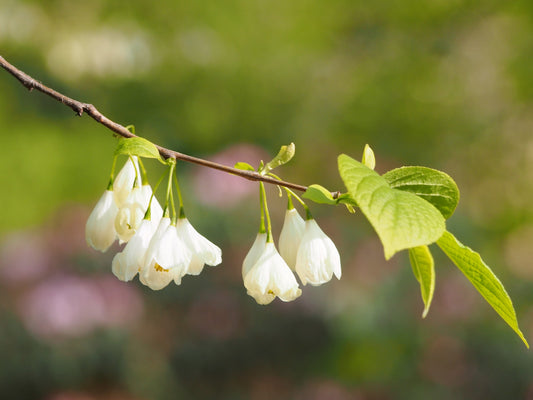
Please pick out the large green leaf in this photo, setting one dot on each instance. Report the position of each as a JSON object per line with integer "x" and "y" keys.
{"x": 482, "y": 277}
{"x": 401, "y": 219}
{"x": 424, "y": 271}
{"x": 432, "y": 185}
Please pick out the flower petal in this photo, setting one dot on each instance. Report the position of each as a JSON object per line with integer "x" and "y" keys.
{"x": 123, "y": 183}
{"x": 130, "y": 215}
{"x": 291, "y": 236}
{"x": 202, "y": 250}
{"x": 100, "y": 230}
{"x": 318, "y": 258}
{"x": 166, "y": 258}
{"x": 254, "y": 253}
{"x": 270, "y": 276}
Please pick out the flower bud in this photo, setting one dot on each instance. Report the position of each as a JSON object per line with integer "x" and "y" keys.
{"x": 100, "y": 230}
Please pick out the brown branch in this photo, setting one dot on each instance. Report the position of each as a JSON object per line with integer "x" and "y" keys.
{"x": 79, "y": 108}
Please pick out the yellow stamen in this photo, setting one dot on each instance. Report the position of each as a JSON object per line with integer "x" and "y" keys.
{"x": 159, "y": 268}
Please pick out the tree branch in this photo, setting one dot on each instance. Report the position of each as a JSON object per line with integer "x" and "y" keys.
{"x": 79, "y": 108}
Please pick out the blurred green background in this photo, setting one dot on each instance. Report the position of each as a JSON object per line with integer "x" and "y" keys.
{"x": 445, "y": 84}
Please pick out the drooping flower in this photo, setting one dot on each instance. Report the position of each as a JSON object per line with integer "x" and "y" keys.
{"x": 124, "y": 181}
{"x": 271, "y": 277}
{"x": 254, "y": 253}
{"x": 130, "y": 215}
{"x": 133, "y": 210}
{"x": 166, "y": 259}
{"x": 130, "y": 261}
{"x": 291, "y": 236}
{"x": 317, "y": 259}
{"x": 202, "y": 250}
{"x": 100, "y": 230}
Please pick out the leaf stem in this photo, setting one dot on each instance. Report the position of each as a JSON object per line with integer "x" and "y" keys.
{"x": 180, "y": 198}
{"x": 136, "y": 180}
{"x": 148, "y": 213}
{"x": 144, "y": 175}
{"x": 169, "y": 188}
{"x": 290, "y": 193}
{"x": 262, "y": 195}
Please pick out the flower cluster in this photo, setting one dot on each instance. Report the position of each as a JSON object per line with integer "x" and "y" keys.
{"x": 304, "y": 248}
{"x": 158, "y": 248}
{"x": 161, "y": 246}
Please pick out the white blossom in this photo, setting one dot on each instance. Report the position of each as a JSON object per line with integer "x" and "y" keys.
{"x": 254, "y": 253}
{"x": 291, "y": 236}
{"x": 317, "y": 259}
{"x": 124, "y": 181}
{"x": 202, "y": 250}
{"x": 270, "y": 276}
{"x": 100, "y": 230}
{"x": 130, "y": 261}
{"x": 166, "y": 259}
{"x": 130, "y": 215}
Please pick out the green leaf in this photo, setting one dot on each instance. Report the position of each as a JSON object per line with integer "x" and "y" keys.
{"x": 424, "y": 271}
{"x": 138, "y": 146}
{"x": 244, "y": 166}
{"x": 284, "y": 156}
{"x": 401, "y": 219}
{"x": 483, "y": 279}
{"x": 319, "y": 194}
{"x": 368, "y": 157}
{"x": 432, "y": 185}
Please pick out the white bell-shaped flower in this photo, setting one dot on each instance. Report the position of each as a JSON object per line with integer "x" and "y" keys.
{"x": 130, "y": 215}
{"x": 270, "y": 276}
{"x": 166, "y": 259}
{"x": 291, "y": 236}
{"x": 254, "y": 253}
{"x": 130, "y": 261}
{"x": 100, "y": 230}
{"x": 317, "y": 259}
{"x": 123, "y": 183}
{"x": 202, "y": 250}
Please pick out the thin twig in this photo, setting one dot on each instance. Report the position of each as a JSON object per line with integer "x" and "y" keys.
{"x": 79, "y": 108}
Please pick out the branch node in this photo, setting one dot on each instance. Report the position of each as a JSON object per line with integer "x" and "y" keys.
{"x": 78, "y": 109}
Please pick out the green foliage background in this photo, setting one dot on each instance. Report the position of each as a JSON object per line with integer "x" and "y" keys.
{"x": 446, "y": 84}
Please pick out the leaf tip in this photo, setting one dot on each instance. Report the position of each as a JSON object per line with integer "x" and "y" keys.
{"x": 389, "y": 253}
{"x": 521, "y": 335}
{"x": 368, "y": 157}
